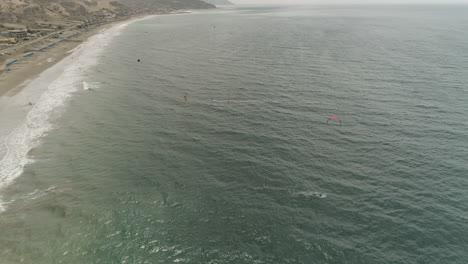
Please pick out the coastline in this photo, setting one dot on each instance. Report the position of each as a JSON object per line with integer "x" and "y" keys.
{"x": 15, "y": 77}
{"x": 37, "y": 88}
{"x": 35, "y": 91}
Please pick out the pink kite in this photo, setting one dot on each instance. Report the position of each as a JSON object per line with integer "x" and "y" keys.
{"x": 334, "y": 117}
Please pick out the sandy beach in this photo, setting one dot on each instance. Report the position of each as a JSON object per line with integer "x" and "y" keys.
{"x": 16, "y": 76}
{"x": 34, "y": 88}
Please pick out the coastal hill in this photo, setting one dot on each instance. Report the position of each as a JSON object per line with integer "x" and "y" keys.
{"x": 166, "y": 4}
{"x": 219, "y": 2}
{"x": 31, "y": 12}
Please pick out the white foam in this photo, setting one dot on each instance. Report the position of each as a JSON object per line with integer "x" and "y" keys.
{"x": 40, "y": 118}
{"x": 2, "y": 205}
{"x": 74, "y": 49}
{"x": 86, "y": 86}
{"x": 90, "y": 86}
{"x": 308, "y": 194}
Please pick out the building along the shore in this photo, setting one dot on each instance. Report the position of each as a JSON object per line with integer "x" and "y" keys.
{"x": 18, "y": 34}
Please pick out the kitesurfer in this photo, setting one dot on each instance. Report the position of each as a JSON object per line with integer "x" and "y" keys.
{"x": 334, "y": 117}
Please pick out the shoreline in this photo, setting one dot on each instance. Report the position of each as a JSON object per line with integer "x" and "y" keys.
{"x": 37, "y": 87}
{"x": 15, "y": 77}
{"x": 40, "y": 88}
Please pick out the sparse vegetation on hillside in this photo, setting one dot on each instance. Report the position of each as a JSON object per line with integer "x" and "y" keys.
{"x": 167, "y": 4}
{"x": 219, "y": 2}
{"x": 30, "y": 12}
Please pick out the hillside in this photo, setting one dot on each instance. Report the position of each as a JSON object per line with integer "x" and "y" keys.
{"x": 166, "y": 4}
{"x": 32, "y": 11}
{"x": 219, "y": 2}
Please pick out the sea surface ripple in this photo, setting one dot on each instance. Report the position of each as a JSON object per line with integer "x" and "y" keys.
{"x": 214, "y": 148}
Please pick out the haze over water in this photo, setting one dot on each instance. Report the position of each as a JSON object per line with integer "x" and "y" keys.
{"x": 247, "y": 171}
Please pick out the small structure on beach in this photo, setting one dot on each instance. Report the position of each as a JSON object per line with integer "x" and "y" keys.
{"x": 18, "y": 34}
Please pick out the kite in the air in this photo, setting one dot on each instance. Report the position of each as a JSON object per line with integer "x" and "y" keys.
{"x": 334, "y": 117}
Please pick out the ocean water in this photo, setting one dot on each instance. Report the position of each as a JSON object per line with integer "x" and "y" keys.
{"x": 214, "y": 148}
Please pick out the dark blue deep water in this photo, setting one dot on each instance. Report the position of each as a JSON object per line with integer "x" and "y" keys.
{"x": 246, "y": 170}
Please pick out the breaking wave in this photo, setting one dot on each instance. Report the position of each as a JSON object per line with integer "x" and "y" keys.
{"x": 41, "y": 116}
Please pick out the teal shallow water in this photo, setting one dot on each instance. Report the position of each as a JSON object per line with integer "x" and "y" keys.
{"x": 247, "y": 171}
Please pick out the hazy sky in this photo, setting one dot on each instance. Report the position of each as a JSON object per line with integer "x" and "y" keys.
{"x": 348, "y": 1}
